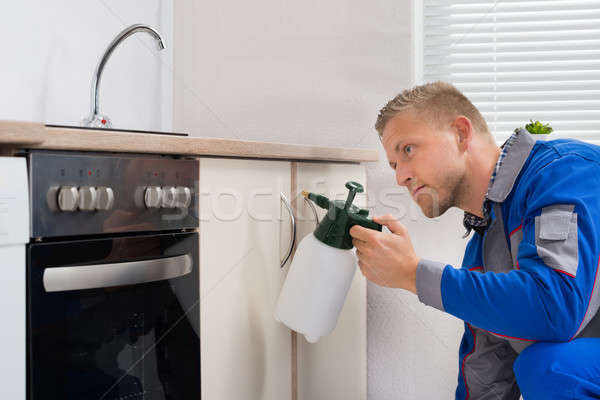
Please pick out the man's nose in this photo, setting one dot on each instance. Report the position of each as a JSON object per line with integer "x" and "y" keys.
{"x": 403, "y": 175}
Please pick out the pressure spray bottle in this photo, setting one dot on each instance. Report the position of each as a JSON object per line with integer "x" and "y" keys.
{"x": 323, "y": 267}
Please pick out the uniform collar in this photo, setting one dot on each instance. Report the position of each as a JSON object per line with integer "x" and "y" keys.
{"x": 511, "y": 166}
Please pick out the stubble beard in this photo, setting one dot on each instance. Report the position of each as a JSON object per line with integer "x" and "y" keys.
{"x": 435, "y": 202}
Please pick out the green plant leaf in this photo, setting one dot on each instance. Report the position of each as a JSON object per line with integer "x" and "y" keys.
{"x": 537, "y": 128}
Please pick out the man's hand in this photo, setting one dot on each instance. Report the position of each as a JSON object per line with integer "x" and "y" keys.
{"x": 387, "y": 259}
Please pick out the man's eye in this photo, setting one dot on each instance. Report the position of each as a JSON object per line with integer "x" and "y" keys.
{"x": 408, "y": 149}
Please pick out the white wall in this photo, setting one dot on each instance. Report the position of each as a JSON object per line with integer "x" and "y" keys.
{"x": 316, "y": 72}
{"x": 50, "y": 50}
{"x": 413, "y": 348}
{"x": 288, "y": 71}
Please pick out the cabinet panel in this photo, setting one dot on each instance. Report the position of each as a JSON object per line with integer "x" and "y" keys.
{"x": 335, "y": 368}
{"x": 244, "y": 230}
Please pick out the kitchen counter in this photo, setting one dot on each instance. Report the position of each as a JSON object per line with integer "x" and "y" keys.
{"x": 32, "y": 135}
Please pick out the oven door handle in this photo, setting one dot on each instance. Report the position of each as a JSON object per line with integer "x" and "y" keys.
{"x": 79, "y": 277}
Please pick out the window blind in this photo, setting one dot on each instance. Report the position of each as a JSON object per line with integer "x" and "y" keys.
{"x": 519, "y": 61}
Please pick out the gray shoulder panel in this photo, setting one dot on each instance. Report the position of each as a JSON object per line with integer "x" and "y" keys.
{"x": 556, "y": 238}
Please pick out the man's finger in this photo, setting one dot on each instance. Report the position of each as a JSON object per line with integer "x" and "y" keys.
{"x": 359, "y": 244}
{"x": 360, "y": 232}
{"x": 392, "y": 223}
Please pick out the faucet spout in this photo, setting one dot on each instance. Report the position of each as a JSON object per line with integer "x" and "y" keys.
{"x": 95, "y": 119}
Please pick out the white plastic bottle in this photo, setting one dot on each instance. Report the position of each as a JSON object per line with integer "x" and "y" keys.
{"x": 315, "y": 289}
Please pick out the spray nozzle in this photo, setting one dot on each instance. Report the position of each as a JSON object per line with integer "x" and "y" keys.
{"x": 318, "y": 199}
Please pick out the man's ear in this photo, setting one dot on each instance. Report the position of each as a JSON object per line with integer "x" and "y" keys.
{"x": 463, "y": 130}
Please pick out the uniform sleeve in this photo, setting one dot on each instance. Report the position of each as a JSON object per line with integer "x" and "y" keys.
{"x": 553, "y": 294}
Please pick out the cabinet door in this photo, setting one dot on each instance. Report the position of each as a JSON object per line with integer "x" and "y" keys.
{"x": 335, "y": 368}
{"x": 244, "y": 228}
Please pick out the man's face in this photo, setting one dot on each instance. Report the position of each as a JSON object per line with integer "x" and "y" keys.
{"x": 427, "y": 161}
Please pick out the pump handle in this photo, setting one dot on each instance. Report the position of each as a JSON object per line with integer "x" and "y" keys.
{"x": 354, "y": 188}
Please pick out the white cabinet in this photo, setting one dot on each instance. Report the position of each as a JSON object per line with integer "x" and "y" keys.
{"x": 335, "y": 368}
{"x": 244, "y": 231}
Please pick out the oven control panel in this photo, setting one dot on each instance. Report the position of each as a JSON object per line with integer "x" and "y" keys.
{"x": 102, "y": 198}
{"x": 95, "y": 193}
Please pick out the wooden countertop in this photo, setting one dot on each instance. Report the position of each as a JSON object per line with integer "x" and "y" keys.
{"x": 34, "y": 135}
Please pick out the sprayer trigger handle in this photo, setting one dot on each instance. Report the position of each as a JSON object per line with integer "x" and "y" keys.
{"x": 365, "y": 222}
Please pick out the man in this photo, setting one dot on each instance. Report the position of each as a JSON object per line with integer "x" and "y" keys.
{"x": 529, "y": 286}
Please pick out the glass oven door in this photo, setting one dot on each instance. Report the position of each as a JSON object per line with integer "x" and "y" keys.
{"x": 114, "y": 318}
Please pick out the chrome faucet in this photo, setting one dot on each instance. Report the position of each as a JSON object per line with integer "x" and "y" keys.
{"x": 95, "y": 119}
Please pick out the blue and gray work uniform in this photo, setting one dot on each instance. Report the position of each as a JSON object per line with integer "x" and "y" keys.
{"x": 529, "y": 286}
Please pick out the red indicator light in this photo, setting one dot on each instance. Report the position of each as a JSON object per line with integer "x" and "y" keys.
{"x": 90, "y": 173}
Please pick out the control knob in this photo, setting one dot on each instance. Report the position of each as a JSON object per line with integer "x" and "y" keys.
{"x": 153, "y": 197}
{"x": 168, "y": 197}
{"x": 105, "y": 198}
{"x": 68, "y": 197}
{"x": 183, "y": 196}
{"x": 87, "y": 198}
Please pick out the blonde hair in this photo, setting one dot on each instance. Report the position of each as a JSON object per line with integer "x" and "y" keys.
{"x": 436, "y": 102}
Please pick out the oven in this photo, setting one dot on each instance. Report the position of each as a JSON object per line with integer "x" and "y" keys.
{"x": 112, "y": 277}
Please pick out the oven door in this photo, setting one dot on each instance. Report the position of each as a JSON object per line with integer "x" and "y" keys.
{"x": 114, "y": 318}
